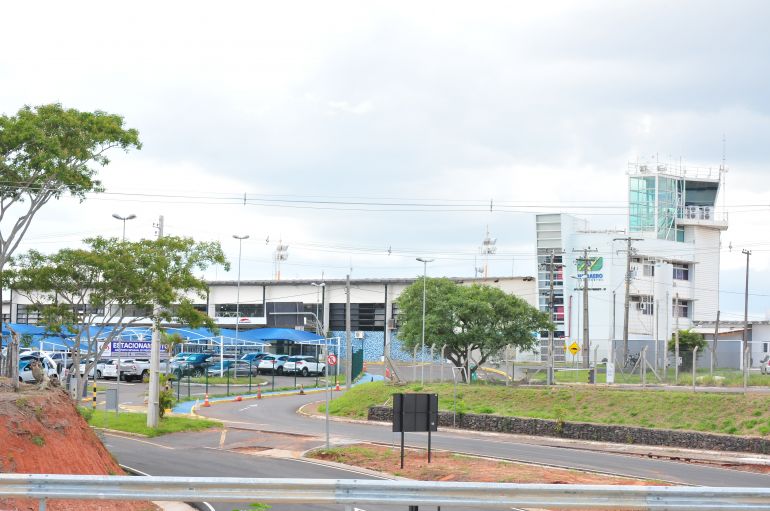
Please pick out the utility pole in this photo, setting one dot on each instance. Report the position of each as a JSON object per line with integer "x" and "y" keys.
{"x": 676, "y": 340}
{"x": 153, "y": 401}
{"x": 746, "y": 320}
{"x": 349, "y": 344}
{"x": 629, "y": 250}
{"x": 714, "y": 346}
{"x": 586, "y": 340}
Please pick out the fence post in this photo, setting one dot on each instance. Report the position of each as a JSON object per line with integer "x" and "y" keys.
{"x": 694, "y": 365}
{"x": 414, "y": 363}
{"x": 430, "y": 369}
{"x": 643, "y": 367}
{"x": 441, "y": 362}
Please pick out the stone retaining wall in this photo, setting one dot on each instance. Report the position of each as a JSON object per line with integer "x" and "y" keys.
{"x": 597, "y": 432}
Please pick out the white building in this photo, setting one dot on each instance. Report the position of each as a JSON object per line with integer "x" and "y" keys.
{"x": 675, "y": 232}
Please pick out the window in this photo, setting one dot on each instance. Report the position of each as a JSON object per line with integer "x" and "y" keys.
{"x": 317, "y": 310}
{"x": 681, "y": 309}
{"x": 644, "y": 304}
{"x": 363, "y": 316}
{"x": 245, "y": 310}
{"x": 27, "y": 314}
{"x": 681, "y": 271}
{"x": 137, "y": 311}
{"x": 649, "y": 270}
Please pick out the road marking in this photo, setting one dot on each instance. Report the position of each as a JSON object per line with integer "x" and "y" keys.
{"x": 141, "y": 441}
{"x": 247, "y": 407}
{"x": 222, "y": 438}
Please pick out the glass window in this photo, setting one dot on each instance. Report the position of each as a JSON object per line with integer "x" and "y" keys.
{"x": 681, "y": 271}
{"x": 681, "y": 309}
{"x": 363, "y": 316}
{"x": 245, "y": 310}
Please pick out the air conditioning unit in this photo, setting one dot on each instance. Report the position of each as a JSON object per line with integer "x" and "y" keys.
{"x": 391, "y": 324}
{"x": 359, "y": 334}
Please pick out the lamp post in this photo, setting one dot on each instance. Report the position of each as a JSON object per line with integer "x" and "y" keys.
{"x": 237, "y": 298}
{"x": 424, "y": 262}
{"x": 317, "y": 300}
{"x": 123, "y": 219}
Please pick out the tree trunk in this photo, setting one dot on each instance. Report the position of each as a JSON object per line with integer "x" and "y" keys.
{"x": 13, "y": 360}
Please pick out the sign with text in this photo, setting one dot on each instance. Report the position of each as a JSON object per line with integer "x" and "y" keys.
{"x": 132, "y": 347}
{"x": 610, "y": 372}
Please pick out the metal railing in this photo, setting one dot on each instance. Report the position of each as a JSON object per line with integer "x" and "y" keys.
{"x": 357, "y": 492}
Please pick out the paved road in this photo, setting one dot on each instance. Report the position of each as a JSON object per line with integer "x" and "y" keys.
{"x": 279, "y": 414}
{"x": 200, "y": 455}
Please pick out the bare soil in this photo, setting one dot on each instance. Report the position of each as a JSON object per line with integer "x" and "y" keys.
{"x": 446, "y": 466}
{"x": 41, "y": 432}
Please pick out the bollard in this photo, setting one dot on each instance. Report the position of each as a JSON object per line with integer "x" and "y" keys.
{"x": 301, "y": 390}
{"x": 259, "y": 391}
{"x": 93, "y": 402}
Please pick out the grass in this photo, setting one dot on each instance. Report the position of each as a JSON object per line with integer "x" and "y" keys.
{"x": 720, "y": 378}
{"x": 733, "y": 414}
{"x": 137, "y": 422}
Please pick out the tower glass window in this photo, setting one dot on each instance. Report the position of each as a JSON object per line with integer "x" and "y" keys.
{"x": 641, "y": 204}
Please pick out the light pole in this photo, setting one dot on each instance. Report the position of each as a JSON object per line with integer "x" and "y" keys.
{"x": 123, "y": 219}
{"x": 317, "y": 300}
{"x": 237, "y": 298}
{"x": 424, "y": 262}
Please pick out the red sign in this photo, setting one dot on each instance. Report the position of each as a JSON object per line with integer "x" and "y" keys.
{"x": 331, "y": 359}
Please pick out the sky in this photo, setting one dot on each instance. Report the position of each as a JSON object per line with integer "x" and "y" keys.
{"x": 365, "y": 134}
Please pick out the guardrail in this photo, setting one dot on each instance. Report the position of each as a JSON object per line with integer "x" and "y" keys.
{"x": 358, "y": 492}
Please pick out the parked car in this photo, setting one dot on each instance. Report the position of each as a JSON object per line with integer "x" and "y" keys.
{"x": 51, "y": 368}
{"x": 764, "y": 365}
{"x": 139, "y": 368}
{"x": 98, "y": 367}
{"x": 194, "y": 364}
{"x": 233, "y": 367}
{"x": 272, "y": 364}
{"x": 304, "y": 365}
{"x": 253, "y": 357}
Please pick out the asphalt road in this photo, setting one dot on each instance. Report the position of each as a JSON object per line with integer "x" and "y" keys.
{"x": 279, "y": 414}
{"x": 201, "y": 455}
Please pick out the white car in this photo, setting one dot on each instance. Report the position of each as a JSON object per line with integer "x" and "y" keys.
{"x": 272, "y": 364}
{"x": 51, "y": 368}
{"x": 98, "y": 367}
{"x": 304, "y": 365}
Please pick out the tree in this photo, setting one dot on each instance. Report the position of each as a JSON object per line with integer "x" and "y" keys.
{"x": 466, "y": 319}
{"x": 47, "y": 152}
{"x": 688, "y": 341}
{"x": 85, "y": 293}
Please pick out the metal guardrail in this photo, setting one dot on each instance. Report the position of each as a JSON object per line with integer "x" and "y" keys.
{"x": 360, "y": 492}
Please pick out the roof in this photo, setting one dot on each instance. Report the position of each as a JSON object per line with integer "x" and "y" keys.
{"x": 342, "y": 282}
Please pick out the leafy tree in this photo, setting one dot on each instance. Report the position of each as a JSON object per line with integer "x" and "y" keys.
{"x": 688, "y": 341}
{"x": 47, "y": 152}
{"x": 467, "y": 318}
{"x": 84, "y": 293}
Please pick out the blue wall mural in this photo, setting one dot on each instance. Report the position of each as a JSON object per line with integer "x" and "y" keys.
{"x": 373, "y": 346}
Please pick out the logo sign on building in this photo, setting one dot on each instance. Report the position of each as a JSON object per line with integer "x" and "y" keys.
{"x": 133, "y": 347}
{"x": 595, "y": 264}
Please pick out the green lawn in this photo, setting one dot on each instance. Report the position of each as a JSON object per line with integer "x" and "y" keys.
{"x": 708, "y": 412}
{"x": 137, "y": 422}
{"x": 721, "y": 378}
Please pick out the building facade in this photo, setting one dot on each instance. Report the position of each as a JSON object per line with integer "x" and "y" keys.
{"x": 672, "y": 244}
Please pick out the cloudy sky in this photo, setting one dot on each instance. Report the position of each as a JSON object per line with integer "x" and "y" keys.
{"x": 363, "y": 134}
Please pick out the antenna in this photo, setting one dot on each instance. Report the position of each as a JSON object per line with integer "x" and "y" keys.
{"x": 488, "y": 246}
{"x": 281, "y": 254}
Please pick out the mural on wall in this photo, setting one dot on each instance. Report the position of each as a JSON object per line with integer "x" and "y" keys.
{"x": 373, "y": 346}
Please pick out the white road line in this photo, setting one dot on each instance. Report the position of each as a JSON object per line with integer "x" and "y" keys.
{"x": 247, "y": 407}
{"x": 222, "y": 438}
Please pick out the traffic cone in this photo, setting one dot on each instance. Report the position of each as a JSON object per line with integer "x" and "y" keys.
{"x": 337, "y": 387}
{"x": 387, "y": 373}
{"x": 301, "y": 390}
{"x": 239, "y": 398}
{"x": 259, "y": 392}
{"x": 206, "y": 401}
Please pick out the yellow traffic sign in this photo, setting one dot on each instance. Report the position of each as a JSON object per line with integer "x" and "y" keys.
{"x": 574, "y": 348}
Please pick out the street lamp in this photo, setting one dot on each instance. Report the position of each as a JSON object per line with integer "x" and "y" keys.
{"x": 123, "y": 219}
{"x": 317, "y": 300}
{"x": 237, "y": 297}
{"x": 424, "y": 262}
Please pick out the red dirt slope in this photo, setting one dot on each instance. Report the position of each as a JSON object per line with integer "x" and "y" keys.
{"x": 41, "y": 432}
